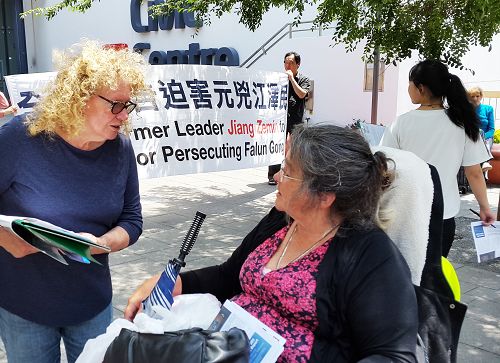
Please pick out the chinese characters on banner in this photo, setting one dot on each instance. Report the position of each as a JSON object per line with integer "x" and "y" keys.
{"x": 199, "y": 119}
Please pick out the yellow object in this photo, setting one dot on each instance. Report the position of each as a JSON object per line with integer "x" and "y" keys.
{"x": 496, "y": 137}
{"x": 451, "y": 276}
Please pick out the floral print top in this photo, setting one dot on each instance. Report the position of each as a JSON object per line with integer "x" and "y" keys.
{"x": 283, "y": 299}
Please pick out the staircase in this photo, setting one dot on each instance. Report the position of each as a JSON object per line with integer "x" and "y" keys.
{"x": 286, "y": 31}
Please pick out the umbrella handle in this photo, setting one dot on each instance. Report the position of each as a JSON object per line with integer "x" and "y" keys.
{"x": 191, "y": 236}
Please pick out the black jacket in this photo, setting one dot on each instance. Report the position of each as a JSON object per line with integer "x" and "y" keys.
{"x": 296, "y": 105}
{"x": 366, "y": 303}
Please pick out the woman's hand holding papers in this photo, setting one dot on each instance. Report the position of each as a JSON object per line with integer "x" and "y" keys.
{"x": 117, "y": 239}
{"x": 14, "y": 245}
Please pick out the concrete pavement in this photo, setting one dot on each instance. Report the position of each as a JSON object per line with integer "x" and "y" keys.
{"x": 235, "y": 201}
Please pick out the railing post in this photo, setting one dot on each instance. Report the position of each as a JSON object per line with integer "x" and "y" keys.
{"x": 376, "y": 69}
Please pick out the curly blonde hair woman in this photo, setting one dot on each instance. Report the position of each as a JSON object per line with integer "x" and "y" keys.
{"x": 71, "y": 165}
{"x": 84, "y": 70}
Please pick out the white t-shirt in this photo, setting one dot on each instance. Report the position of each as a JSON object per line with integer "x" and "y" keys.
{"x": 434, "y": 138}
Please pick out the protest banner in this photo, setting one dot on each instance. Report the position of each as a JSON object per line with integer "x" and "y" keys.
{"x": 26, "y": 89}
{"x": 197, "y": 118}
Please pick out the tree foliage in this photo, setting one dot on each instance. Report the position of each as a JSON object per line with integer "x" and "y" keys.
{"x": 438, "y": 29}
{"x": 50, "y": 11}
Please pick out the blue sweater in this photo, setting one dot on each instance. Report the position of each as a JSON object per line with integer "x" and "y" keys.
{"x": 83, "y": 191}
{"x": 485, "y": 115}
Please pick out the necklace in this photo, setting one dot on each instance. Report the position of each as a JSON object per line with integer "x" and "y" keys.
{"x": 283, "y": 253}
{"x": 432, "y": 105}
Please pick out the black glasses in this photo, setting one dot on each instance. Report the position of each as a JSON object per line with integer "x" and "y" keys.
{"x": 118, "y": 106}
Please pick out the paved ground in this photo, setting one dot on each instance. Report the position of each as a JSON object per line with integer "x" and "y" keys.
{"x": 235, "y": 201}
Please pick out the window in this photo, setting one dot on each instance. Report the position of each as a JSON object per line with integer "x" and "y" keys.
{"x": 369, "y": 77}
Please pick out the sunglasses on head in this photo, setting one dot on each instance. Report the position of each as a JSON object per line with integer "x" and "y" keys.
{"x": 118, "y": 106}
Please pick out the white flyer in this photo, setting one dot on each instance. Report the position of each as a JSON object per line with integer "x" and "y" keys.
{"x": 486, "y": 240}
{"x": 265, "y": 344}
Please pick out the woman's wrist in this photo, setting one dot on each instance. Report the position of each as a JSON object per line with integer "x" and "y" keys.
{"x": 484, "y": 207}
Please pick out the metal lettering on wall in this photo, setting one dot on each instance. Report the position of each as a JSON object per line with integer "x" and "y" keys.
{"x": 224, "y": 56}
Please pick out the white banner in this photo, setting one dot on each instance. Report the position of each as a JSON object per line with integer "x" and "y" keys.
{"x": 202, "y": 118}
{"x": 26, "y": 89}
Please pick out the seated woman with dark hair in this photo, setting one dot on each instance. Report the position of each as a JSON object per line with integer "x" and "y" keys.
{"x": 317, "y": 269}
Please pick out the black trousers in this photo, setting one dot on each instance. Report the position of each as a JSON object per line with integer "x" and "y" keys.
{"x": 448, "y": 235}
{"x": 272, "y": 169}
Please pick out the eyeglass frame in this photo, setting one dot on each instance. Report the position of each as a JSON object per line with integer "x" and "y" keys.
{"x": 125, "y": 105}
{"x": 283, "y": 175}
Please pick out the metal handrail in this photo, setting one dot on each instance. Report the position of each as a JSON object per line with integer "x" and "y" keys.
{"x": 263, "y": 46}
{"x": 263, "y": 49}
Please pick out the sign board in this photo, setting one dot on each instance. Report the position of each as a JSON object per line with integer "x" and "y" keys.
{"x": 197, "y": 119}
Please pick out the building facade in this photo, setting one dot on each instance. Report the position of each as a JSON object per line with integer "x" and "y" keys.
{"x": 339, "y": 76}
{"x": 341, "y": 79}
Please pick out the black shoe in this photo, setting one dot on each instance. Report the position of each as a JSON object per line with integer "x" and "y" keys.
{"x": 271, "y": 182}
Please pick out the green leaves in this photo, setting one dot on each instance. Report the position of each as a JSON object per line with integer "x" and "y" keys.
{"x": 50, "y": 11}
{"x": 437, "y": 29}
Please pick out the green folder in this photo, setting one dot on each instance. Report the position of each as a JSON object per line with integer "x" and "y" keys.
{"x": 52, "y": 240}
{"x": 72, "y": 247}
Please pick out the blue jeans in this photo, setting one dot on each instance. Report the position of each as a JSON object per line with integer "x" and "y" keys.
{"x": 26, "y": 341}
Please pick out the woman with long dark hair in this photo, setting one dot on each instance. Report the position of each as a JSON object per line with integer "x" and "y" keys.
{"x": 443, "y": 131}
